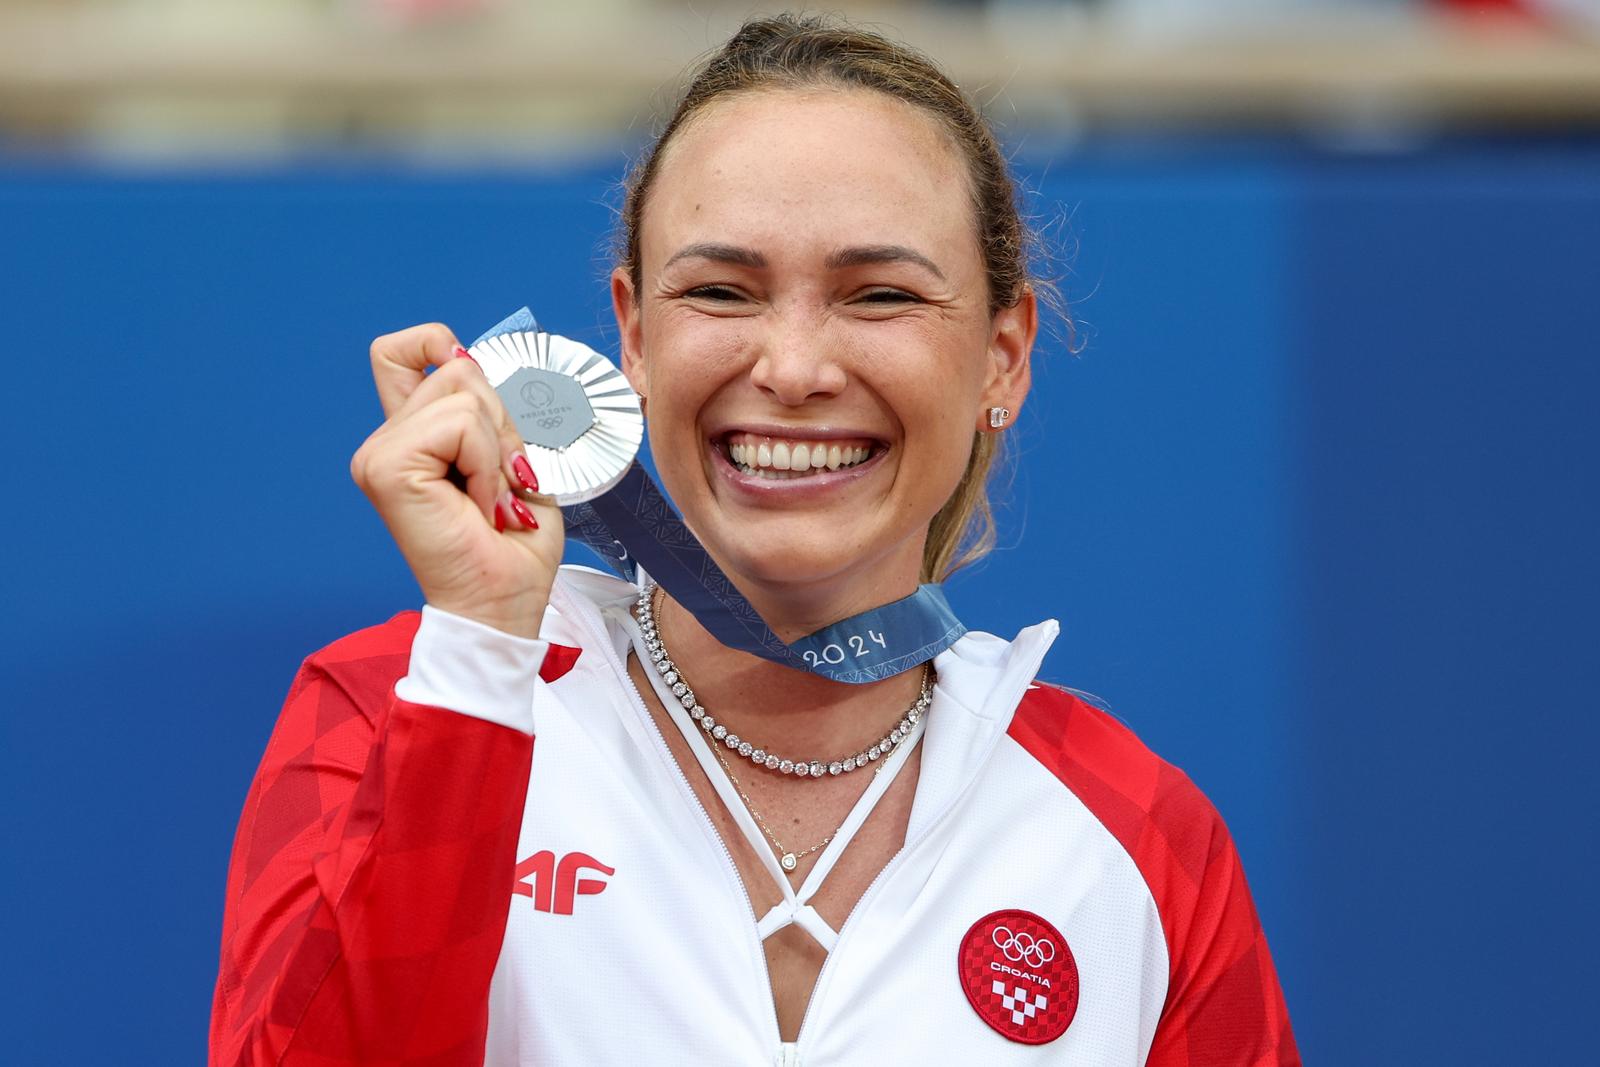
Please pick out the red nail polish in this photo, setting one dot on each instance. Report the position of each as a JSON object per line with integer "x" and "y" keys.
{"x": 500, "y": 516}
{"x": 524, "y": 471}
{"x": 524, "y": 514}
{"x": 462, "y": 353}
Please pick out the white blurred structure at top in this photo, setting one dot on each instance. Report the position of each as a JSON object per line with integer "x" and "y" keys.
{"x": 466, "y": 80}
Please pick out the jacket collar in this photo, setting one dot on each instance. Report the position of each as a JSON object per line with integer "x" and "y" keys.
{"x": 981, "y": 680}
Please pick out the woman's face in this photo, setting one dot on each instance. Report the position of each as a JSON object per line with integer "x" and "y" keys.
{"x": 812, "y": 336}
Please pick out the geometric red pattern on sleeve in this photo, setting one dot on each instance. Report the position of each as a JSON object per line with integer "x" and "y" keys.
{"x": 1224, "y": 1007}
{"x": 366, "y": 900}
{"x": 558, "y": 660}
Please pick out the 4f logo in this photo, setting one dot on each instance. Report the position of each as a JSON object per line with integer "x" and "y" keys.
{"x": 556, "y": 885}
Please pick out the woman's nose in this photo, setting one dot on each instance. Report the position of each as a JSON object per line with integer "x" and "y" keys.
{"x": 797, "y": 361}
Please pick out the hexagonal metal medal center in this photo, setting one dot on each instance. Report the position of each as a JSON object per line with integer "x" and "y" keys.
{"x": 550, "y": 409}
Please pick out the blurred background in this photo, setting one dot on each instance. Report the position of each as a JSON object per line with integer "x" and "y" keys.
{"x": 1310, "y": 483}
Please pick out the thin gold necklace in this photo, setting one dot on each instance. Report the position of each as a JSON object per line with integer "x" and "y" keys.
{"x": 786, "y": 859}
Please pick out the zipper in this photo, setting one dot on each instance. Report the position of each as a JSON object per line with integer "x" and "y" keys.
{"x": 895, "y": 862}
{"x": 787, "y": 1049}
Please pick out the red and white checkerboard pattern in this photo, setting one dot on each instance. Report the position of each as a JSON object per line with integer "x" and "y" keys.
{"x": 1016, "y": 1000}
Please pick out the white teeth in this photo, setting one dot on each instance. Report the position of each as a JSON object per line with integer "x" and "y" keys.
{"x": 785, "y": 459}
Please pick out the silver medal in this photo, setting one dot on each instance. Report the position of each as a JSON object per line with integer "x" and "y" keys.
{"x": 579, "y": 420}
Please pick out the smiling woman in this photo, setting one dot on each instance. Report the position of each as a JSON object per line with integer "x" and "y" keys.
{"x": 824, "y": 303}
{"x": 806, "y": 267}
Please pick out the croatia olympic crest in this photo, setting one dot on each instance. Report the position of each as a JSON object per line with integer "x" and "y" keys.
{"x": 1019, "y": 976}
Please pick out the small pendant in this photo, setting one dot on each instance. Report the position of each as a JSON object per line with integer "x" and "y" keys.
{"x": 788, "y": 862}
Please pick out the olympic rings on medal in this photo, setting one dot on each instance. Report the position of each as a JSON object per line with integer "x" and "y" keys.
{"x": 1023, "y": 948}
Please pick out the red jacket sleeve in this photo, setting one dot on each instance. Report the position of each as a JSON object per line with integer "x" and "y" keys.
{"x": 371, "y": 874}
{"x": 1224, "y": 1007}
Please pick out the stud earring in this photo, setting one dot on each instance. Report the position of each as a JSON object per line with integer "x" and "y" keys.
{"x": 998, "y": 417}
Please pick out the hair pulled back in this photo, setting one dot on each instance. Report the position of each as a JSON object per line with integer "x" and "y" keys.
{"x": 801, "y": 52}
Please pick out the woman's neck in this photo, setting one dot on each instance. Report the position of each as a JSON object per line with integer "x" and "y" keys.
{"x": 777, "y": 706}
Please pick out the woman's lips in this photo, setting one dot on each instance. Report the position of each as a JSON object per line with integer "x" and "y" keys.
{"x": 770, "y": 463}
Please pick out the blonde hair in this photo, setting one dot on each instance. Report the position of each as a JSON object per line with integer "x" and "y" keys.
{"x": 791, "y": 51}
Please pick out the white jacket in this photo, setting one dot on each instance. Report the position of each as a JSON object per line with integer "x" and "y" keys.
{"x": 1037, "y": 818}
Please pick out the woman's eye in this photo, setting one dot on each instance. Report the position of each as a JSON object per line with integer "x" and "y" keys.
{"x": 888, "y": 296}
{"x": 712, "y": 292}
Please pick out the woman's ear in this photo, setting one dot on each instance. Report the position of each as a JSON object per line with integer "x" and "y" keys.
{"x": 626, "y": 309}
{"x": 1009, "y": 372}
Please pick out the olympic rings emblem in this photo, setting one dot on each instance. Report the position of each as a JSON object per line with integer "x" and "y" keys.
{"x": 1023, "y": 948}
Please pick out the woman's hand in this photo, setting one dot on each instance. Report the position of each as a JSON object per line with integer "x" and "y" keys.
{"x": 489, "y": 553}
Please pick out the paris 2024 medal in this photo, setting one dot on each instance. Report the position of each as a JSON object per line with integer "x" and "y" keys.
{"x": 580, "y": 421}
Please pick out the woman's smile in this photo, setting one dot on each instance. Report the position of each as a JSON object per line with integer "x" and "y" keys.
{"x": 796, "y": 456}
{"x": 799, "y": 465}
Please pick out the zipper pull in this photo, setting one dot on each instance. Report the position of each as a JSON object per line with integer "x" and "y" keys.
{"x": 788, "y": 1055}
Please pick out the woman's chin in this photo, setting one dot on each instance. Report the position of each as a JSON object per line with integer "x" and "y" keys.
{"x": 817, "y": 561}
{"x": 790, "y": 566}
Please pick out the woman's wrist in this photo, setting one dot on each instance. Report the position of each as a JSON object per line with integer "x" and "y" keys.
{"x": 520, "y": 618}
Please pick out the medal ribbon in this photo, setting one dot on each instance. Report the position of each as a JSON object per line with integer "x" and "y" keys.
{"x": 634, "y": 525}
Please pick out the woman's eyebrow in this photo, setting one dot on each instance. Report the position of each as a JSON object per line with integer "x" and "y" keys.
{"x": 866, "y": 254}
{"x": 744, "y": 257}
{"x": 845, "y": 257}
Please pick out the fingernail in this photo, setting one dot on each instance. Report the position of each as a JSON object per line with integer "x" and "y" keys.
{"x": 500, "y": 516}
{"x": 524, "y": 514}
{"x": 462, "y": 353}
{"x": 524, "y": 471}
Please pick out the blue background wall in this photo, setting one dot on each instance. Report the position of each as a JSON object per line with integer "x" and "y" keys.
{"x": 1315, "y": 505}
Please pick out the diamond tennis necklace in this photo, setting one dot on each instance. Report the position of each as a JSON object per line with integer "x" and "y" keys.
{"x": 761, "y": 757}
